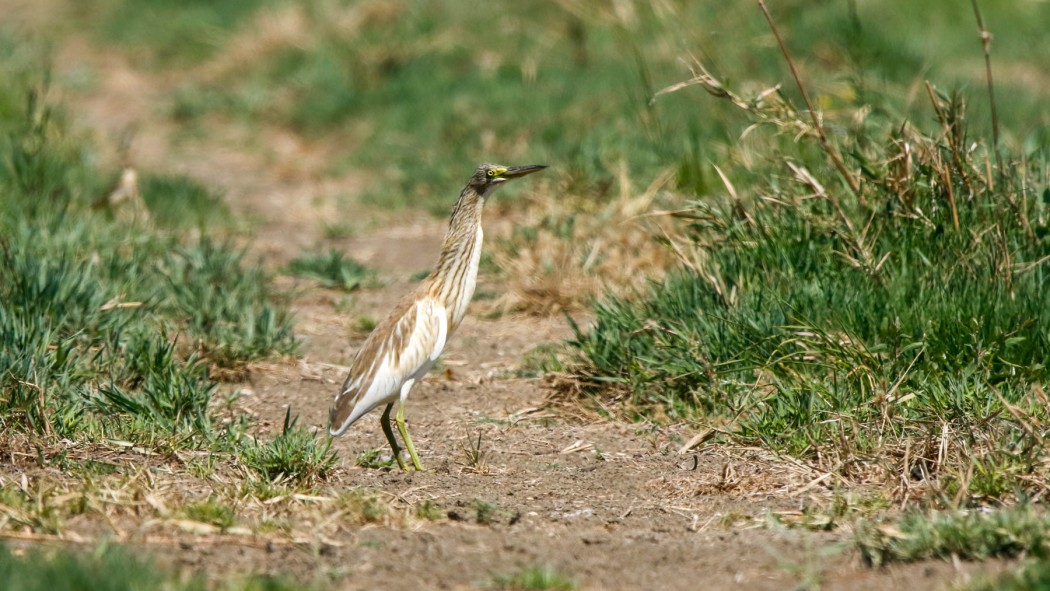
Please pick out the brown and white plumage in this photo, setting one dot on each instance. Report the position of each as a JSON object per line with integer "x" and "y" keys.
{"x": 403, "y": 348}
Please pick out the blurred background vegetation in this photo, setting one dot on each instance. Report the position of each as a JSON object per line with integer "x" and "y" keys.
{"x": 418, "y": 92}
{"x": 891, "y": 327}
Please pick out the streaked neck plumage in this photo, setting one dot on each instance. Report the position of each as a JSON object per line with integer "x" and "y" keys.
{"x": 456, "y": 273}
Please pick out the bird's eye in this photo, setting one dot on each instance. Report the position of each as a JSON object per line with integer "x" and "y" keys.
{"x": 492, "y": 173}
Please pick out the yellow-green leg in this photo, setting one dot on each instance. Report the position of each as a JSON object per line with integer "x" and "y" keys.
{"x": 403, "y": 429}
{"x": 385, "y": 422}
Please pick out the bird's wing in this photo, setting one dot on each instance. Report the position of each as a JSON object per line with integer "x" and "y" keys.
{"x": 403, "y": 347}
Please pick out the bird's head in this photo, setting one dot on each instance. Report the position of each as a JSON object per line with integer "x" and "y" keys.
{"x": 489, "y": 176}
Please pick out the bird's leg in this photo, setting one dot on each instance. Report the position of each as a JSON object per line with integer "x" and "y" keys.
{"x": 403, "y": 429}
{"x": 385, "y": 422}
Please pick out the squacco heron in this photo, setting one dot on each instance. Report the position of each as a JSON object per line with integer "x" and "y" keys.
{"x": 403, "y": 348}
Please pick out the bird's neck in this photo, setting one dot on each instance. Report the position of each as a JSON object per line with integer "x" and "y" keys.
{"x": 456, "y": 272}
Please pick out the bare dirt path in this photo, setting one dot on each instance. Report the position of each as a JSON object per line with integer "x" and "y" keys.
{"x": 609, "y": 504}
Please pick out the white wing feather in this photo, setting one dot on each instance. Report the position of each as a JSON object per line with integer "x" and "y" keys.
{"x": 417, "y": 355}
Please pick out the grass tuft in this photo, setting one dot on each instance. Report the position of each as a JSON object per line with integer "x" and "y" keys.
{"x": 294, "y": 454}
{"x": 374, "y": 459}
{"x": 229, "y": 305}
{"x": 110, "y": 568}
{"x": 107, "y": 568}
{"x": 331, "y": 270}
{"x": 212, "y": 512}
{"x": 535, "y": 578}
{"x": 177, "y": 201}
{"x": 159, "y": 387}
{"x": 1031, "y": 576}
{"x": 974, "y": 535}
{"x": 837, "y": 325}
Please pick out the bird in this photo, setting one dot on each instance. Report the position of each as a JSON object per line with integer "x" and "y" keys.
{"x": 403, "y": 347}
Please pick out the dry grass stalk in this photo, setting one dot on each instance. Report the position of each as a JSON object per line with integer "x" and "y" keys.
{"x": 986, "y": 45}
{"x": 610, "y": 249}
{"x": 830, "y": 150}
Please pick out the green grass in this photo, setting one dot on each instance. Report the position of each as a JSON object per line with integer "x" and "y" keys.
{"x": 166, "y": 34}
{"x": 119, "y": 332}
{"x": 535, "y": 578}
{"x": 429, "y": 511}
{"x": 109, "y": 568}
{"x": 294, "y": 454}
{"x": 230, "y": 304}
{"x": 486, "y": 513}
{"x": 110, "y": 329}
{"x": 159, "y": 387}
{"x": 827, "y": 325}
{"x": 373, "y": 459}
{"x": 1031, "y": 576}
{"x": 976, "y": 535}
{"x": 363, "y": 507}
{"x": 181, "y": 202}
{"x": 331, "y": 270}
{"x": 212, "y": 512}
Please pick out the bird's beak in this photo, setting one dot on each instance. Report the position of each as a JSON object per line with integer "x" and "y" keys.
{"x": 518, "y": 171}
